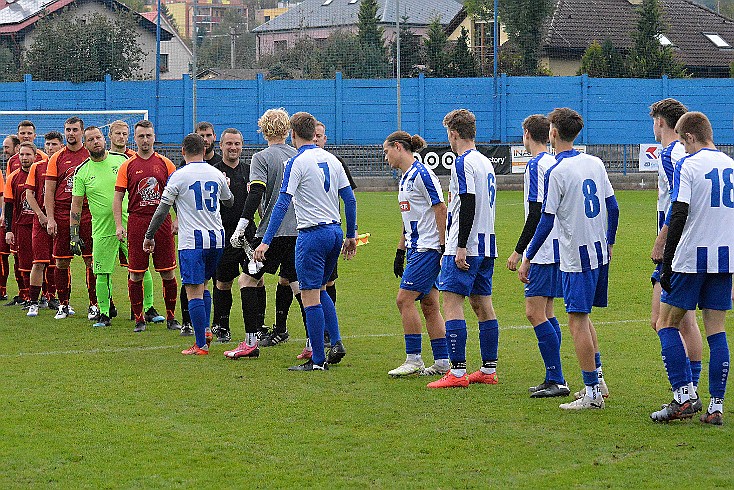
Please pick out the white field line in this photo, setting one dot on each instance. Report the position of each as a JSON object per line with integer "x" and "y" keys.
{"x": 143, "y": 348}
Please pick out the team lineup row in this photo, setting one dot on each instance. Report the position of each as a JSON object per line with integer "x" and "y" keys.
{"x": 564, "y": 249}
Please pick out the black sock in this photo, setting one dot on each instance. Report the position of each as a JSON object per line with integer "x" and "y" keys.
{"x": 283, "y": 301}
{"x": 184, "y": 302}
{"x": 222, "y": 305}
{"x": 250, "y": 309}
{"x": 262, "y": 300}
{"x": 303, "y": 311}
{"x": 331, "y": 291}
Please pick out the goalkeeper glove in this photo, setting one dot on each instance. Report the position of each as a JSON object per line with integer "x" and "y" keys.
{"x": 665, "y": 275}
{"x": 76, "y": 243}
{"x": 238, "y": 237}
{"x": 398, "y": 265}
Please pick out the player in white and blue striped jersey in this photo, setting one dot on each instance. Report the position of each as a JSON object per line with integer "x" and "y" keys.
{"x": 580, "y": 201}
{"x": 314, "y": 180}
{"x": 468, "y": 263}
{"x": 698, "y": 262}
{"x": 665, "y": 115}
{"x": 545, "y": 273}
{"x": 424, "y": 226}
{"x": 196, "y": 190}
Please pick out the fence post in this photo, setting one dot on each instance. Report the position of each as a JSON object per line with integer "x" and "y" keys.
{"x": 585, "y": 107}
{"x": 624, "y": 160}
{"x": 260, "y": 100}
{"x": 28, "y": 82}
{"x": 338, "y": 107}
{"x": 664, "y": 85}
{"x": 188, "y": 104}
{"x": 107, "y": 91}
{"x": 503, "y": 108}
{"x": 422, "y": 104}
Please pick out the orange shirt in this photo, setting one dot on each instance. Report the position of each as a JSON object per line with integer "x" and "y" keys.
{"x": 144, "y": 181}
{"x": 61, "y": 168}
{"x": 15, "y": 193}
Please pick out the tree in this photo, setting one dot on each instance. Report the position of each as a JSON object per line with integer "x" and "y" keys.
{"x": 8, "y": 66}
{"x": 614, "y": 59}
{"x": 410, "y": 50}
{"x": 435, "y": 45}
{"x": 648, "y": 58}
{"x": 593, "y": 62}
{"x": 215, "y": 48}
{"x": 101, "y": 46}
{"x": 369, "y": 33}
{"x": 523, "y": 21}
{"x": 463, "y": 63}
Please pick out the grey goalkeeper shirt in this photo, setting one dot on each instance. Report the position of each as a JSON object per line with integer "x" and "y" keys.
{"x": 267, "y": 167}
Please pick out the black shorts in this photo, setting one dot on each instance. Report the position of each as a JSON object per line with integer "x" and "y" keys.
{"x": 334, "y": 273}
{"x": 233, "y": 259}
{"x": 280, "y": 255}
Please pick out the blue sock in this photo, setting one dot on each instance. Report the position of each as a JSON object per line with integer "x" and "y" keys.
{"x": 695, "y": 372}
{"x": 413, "y": 343}
{"x": 556, "y": 327}
{"x": 718, "y": 364}
{"x": 550, "y": 351}
{"x": 315, "y": 327}
{"x": 590, "y": 378}
{"x": 331, "y": 322}
{"x": 456, "y": 340}
{"x": 489, "y": 336}
{"x": 208, "y": 306}
{"x": 440, "y": 348}
{"x": 674, "y": 357}
{"x": 597, "y": 359}
{"x": 198, "y": 320}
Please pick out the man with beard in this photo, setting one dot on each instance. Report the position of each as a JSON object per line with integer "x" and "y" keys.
{"x": 10, "y": 148}
{"x": 26, "y": 132}
{"x": 57, "y": 199}
{"x": 19, "y": 216}
{"x": 143, "y": 177}
{"x": 95, "y": 180}
{"x": 119, "y": 134}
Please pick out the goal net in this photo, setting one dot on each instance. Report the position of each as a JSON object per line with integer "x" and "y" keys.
{"x": 46, "y": 121}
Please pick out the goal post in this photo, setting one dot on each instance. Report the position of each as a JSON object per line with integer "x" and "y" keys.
{"x": 46, "y": 121}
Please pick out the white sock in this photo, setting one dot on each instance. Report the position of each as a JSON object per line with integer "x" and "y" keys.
{"x": 716, "y": 405}
{"x": 459, "y": 373}
{"x": 308, "y": 345}
{"x": 414, "y": 358}
{"x": 599, "y": 373}
{"x": 692, "y": 391}
{"x": 251, "y": 339}
{"x": 681, "y": 395}
{"x": 593, "y": 391}
{"x": 441, "y": 362}
{"x": 488, "y": 370}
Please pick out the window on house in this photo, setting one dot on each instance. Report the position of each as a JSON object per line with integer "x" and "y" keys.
{"x": 717, "y": 40}
{"x": 164, "y": 63}
{"x": 664, "y": 41}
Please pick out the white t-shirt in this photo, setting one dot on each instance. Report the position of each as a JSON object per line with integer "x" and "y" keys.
{"x": 577, "y": 188}
{"x": 196, "y": 189}
{"x": 472, "y": 173}
{"x": 705, "y": 180}
{"x": 419, "y": 191}
{"x": 314, "y": 177}
{"x": 534, "y": 187}
{"x": 669, "y": 156}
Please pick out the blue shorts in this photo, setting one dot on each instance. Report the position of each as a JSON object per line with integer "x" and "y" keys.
{"x": 421, "y": 271}
{"x": 476, "y": 281}
{"x": 317, "y": 251}
{"x": 705, "y": 290}
{"x": 198, "y": 265}
{"x": 545, "y": 280}
{"x": 655, "y": 277}
{"x": 582, "y": 290}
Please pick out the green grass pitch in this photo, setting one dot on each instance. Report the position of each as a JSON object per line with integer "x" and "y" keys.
{"x": 108, "y": 408}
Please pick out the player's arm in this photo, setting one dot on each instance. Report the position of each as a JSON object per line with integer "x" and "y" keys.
{"x": 276, "y": 219}
{"x": 612, "y": 221}
{"x": 121, "y": 232}
{"x": 398, "y": 265}
{"x": 49, "y": 204}
{"x": 163, "y": 210}
{"x": 544, "y": 228}
{"x": 349, "y": 248}
{"x": 677, "y": 217}
{"x": 531, "y": 223}
{"x": 8, "y": 212}
{"x": 252, "y": 203}
{"x": 75, "y": 217}
{"x": 440, "y": 211}
{"x": 466, "y": 221}
{"x": 30, "y": 197}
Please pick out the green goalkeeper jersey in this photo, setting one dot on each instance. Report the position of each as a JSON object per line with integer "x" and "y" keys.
{"x": 96, "y": 182}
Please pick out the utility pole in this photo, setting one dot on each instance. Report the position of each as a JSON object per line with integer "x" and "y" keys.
{"x": 232, "y": 45}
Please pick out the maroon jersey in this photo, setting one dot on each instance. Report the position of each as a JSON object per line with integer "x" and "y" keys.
{"x": 36, "y": 181}
{"x": 15, "y": 193}
{"x": 14, "y": 161}
{"x": 61, "y": 168}
{"x": 144, "y": 181}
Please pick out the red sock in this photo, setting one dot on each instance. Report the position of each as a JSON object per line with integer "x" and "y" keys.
{"x": 25, "y": 292}
{"x": 18, "y": 275}
{"x": 135, "y": 290}
{"x": 50, "y": 280}
{"x": 62, "y": 278}
{"x": 170, "y": 295}
{"x": 35, "y": 292}
{"x": 4, "y": 268}
{"x": 91, "y": 286}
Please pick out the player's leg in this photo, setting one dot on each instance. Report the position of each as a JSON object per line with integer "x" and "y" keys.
{"x": 36, "y": 282}
{"x": 4, "y": 263}
{"x": 412, "y": 328}
{"x": 85, "y": 232}
{"x": 164, "y": 262}
{"x": 480, "y": 300}
{"x": 331, "y": 285}
{"x": 335, "y": 237}
{"x": 436, "y": 327}
{"x": 105, "y": 251}
{"x": 249, "y": 285}
{"x": 693, "y": 342}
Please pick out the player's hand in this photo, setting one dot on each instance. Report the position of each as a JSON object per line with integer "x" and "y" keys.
{"x": 42, "y": 220}
{"x": 121, "y": 234}
{"x": 148, "y": 245}
{"x": 174, "y": 226}
{"x": 349, "y": 248}
{"x": 460, "y": 259}
{"x": 665, "y": 275}
{"x": 237, "y": 240}
{"x": 398, "y": 265}
{"x": 75, "y": 243}
{"x": 522, "y": 271}
{"x": 513, "y": 260}
{"x": 10, "y": 238}
{"x": 51, "y": 227}
{"x": 259, "y": 254}
{"x": 609, "y": 250}
{"x": 657, "y": 252}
